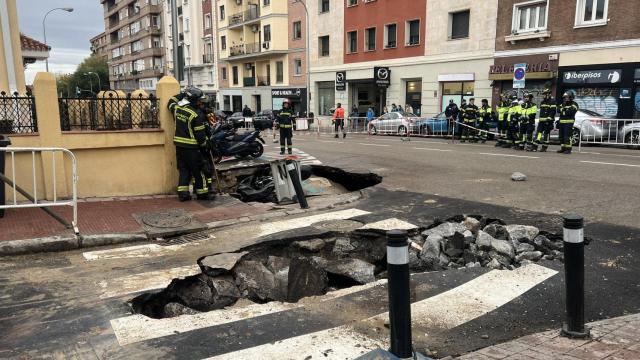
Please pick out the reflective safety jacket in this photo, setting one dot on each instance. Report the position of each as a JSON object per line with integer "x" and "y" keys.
{"x": 503, "y": 109}
{"x": 548, "y": 109}
{"x": 513, "y": 113}
{"x": 528, "y": 112}
{"x": 568, "y": 112}
{"x": 485, "y": 113}
{"x": 285, "y": 119}
{"x": 469, "y": 112}
{"x": 190, "y": 129}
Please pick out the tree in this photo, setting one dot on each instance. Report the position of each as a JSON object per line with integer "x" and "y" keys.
{"x": 65, "y": 84}
{"x": 68, "y": 83}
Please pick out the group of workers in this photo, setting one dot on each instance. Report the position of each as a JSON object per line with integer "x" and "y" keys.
{"x": 517, "y": 121}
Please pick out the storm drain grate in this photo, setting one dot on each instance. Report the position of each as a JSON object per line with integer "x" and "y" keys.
{"x": 187, "y": 238}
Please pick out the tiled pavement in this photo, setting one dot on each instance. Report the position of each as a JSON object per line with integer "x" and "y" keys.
{"x": 611, "y": 339}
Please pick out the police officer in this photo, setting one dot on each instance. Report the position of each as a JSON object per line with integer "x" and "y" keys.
{"x": 470, "y": 115}
{"x": 513, "y": 116}
{"x": 485, "y": 114}
{"x": 568, "y": 111}
{"x": 548, "y": 111}
{"x": 189, "y": 139}
{"x": 503, "y": 109}
{"x": 528, "y": 121}
{"x": 284, "y": 122}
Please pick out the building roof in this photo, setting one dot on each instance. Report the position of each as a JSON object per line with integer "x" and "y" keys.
{"x": 29, "y": 44}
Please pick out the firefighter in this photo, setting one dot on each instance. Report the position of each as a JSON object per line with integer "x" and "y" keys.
{"x": 512, "y": 124}
{"x": 568, "y": 111}
{"x": 189, "y": 139}
{"x": 528, "y": 120}
{"x": 485, "y": 114}
{"x": 206, "y": 151}
{"x": 503, "y": 110}
{"x": 284, "y": 122}
{"x": 548, "y": 111}
{"x": 470, "y": 115}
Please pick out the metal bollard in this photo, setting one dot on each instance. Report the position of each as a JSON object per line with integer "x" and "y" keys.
{"x": 574, "y": 277}
{"x": 297, "y": 185}
{"x": 399, "y": 293}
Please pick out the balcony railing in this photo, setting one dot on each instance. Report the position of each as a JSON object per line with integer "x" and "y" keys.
{"x": 248, "y": 15}
{"x": 207, "y": 58}
{"x": 244, "y": 49}
{"x": 249, "y": 81}
{"x": 264, "y": 81}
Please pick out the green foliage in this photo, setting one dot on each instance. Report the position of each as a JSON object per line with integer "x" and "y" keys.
{"x": 81, "y": 78}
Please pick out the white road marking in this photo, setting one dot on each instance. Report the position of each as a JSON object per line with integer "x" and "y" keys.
{"x": 381, "y": 145}
{"x": 265, "y": 229}
{"x": 332, "y": 141}
{"x": 136, "y": 328}
{"x": 342, "y": 341}
{"x": 153, "y": 280}
{"x": 605, "y": 154}
{"x": 136, "y": 251}
{"x": 475, "y": 298}
{"x": 607, "y": 163}
{"x": 390, "y": 224}
{"x": 509, "y": 155}
{"x": 588, "y": 152}
{"x": 430, "y": 149}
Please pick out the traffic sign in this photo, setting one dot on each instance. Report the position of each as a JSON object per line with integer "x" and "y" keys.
{"x": 519, "y": 75}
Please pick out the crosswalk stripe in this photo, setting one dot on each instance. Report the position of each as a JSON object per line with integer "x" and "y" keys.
{"x": 152, "y": 280}
{"x": 389, "y": 224}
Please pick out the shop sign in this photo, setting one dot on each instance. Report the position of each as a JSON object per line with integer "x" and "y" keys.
{"x": 293, "y": 92}
{"x": 592, "y": 77}
{"x": 341, "y": 80}
{"x": 530, "y": 68}
{"x": 519, "y": 75}
{"x": 382, "y": 76}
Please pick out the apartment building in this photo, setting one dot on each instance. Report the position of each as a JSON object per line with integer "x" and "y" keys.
{"x": 590, "y": 47}
{"x": 135, "y": 44}
{"x": 261, "y": 55}
{"x": 99, "y": 45}
{"x": 196, "y": 44}
{"x": 416, "y": 52}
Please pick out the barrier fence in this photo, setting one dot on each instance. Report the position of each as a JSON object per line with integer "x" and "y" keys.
{"x": 622, "y": 132}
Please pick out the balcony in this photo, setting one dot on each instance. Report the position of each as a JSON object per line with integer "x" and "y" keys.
{"x": 207, "y": 58}
{"x": 249, "y": 81}
{"x": 244, "y": 49}
{"x": 264, "y": 81}
{"x": 243, "y": 17}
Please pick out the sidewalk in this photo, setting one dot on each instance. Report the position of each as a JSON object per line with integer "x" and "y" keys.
{"x": 611, "y": 339}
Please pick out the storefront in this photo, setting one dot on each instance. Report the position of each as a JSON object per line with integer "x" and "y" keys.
{"x": 413, "y": 97}
{"x": 297, "y": 97}
{"x": 608, "y": 89}
{"x": 456, "y": 87}
{"x": 541, "y": 74}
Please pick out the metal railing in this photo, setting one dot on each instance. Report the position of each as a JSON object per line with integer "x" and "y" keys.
{"x": 17, "y": 114}
{"x": 624, "y": 132}
{"x": 35, "y": 202}
{"x": 109, "y": 113}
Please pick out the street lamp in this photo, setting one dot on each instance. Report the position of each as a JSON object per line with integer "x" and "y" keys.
{"x": 97, "y": 76}
{"x": 90, "y": 82}
{"x": 44, "y": 28}
{"x": 308, "y": 56}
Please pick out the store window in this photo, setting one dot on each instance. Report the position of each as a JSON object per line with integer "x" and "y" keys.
{"x": 456, "y": 91}
{"x": 591, "y": 12}
{"x": 636, "y": 97}
{"x": 326, "y": 97}
{"x": 601, "y": 100}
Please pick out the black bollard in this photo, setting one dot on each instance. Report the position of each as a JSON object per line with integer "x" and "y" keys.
{"x": 574, "y": 277}
{"x": 297, "y": 185}
{"x": 399, "y": 294}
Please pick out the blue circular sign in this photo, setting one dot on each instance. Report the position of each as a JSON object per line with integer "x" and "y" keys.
{"x": 519, "y": 74}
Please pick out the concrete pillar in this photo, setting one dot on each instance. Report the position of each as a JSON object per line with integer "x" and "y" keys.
{"x": 45, "y": 94}
{"x": 11, "y": 67}
{"x": 167, "y": 87}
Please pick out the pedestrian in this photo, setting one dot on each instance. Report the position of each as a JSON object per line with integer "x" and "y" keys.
{"x": 284, "y": 122}
{"x": 354, "y": 111}
{"x": 394, "y": 108}
{"x": 513, "y": 116}
{"x": 370, "y": 114}
{"x": 470, "y": 115}
{"x": 246, "y": 111}
{"x": 568, "y": 111}
{"x": 548, "y": 111}
{"x": 503, "y": 109}
{"x": 484, "y": 117}
{"x": 189, "y": 138}
{"x": 338, "y": 121}
{"x": 400, "y": 108}
{"x": 529, "y": 111}
{"x": 408, "y": 108}
{"x": 385, "y": 110}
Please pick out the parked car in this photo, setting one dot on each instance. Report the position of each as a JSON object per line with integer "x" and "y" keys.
{"x": 238, "y": 119}
{"x": 630, "y": 133}
{"x": 393, "y": 123}
{"x": 267, "y": 116}
{"x": 588, "y": 125}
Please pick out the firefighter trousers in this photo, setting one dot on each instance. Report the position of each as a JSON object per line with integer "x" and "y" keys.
{"x": 190, "y": 165}
{"x": 566, "y": 132}
{"x": 286, "y": 136}
{"x": 544, "y": 132}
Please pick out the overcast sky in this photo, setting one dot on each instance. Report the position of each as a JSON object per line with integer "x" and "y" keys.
{"x": 68, "y": 34}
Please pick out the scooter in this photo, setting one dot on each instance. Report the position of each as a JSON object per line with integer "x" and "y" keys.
{"x": 225, "y": 142}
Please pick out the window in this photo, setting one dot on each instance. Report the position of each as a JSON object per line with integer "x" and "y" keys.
{"x": 324, "y": 6}
{"x": 136, "y": 46}
{"x": 326, "y": 97}
{"x": 390, "y": 34}
{"x": 297, "y": 67}
{"x": 221, "y": 12}
{"x": 211, "y": 77}
{"x": 529, "y": 17}
{"x": 459, "y": 25}
{"x": 352, "y": 42}
{"x": 135, "y": 27}
{"x": 234, "y": 70}
{"x": 224, "y": 73}
{"x": 207, "y": 21}
{"x": 266, "y": 2}
{"x": 267, "y": 33}
{"x": 223, "y": 42}
{"x": 352, "y": 2}
{"x": 412, "y": 32}
{"x": 370, "y": 39}
{"x": 591, "y": 12}
{"x": 297, "y": 30}
{"x": 279, "y": 72}
{"x": 138, "y": 65}
{"x": 156, "y": 42}
{"x": 186, "y": 25}
{"x": 323, "y": 45}
{"x": 155, "y": 21}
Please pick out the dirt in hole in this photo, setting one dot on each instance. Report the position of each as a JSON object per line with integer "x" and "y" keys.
{"x": 287, "y": 270}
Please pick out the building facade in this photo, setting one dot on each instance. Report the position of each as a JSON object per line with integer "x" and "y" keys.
{"x": 261, "y": 63}
{"x": 590, "y": 47}
{"x": 99, "y": 45}
{"x": 136, "y": 51}
{"x": 11, "y": 60}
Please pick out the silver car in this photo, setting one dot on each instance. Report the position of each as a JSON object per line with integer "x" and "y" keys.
{"x": 630, "y": 133}
{"x": 393, "y": 123}
{"x": 588, "y": 124}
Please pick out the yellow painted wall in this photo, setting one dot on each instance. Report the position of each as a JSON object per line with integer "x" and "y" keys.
{"x": 17, "y": 51}
{"x": 279, "y": 25}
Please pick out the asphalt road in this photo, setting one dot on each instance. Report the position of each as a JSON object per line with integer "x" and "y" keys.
{"x": 600, "y": 183}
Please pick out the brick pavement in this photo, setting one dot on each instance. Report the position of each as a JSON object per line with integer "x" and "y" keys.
{"x": 611, "y": 339}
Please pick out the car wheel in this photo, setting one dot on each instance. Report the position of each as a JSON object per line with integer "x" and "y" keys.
{"x": 633, "y": 140}
{"x": 575, "y": 137}
{"x": 402, "y": 130}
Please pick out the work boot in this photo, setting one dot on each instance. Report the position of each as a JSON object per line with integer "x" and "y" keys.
{"x": 290, "y": 151}
{"x": 498, "y": 143}
{"x": 184, "y": 198}
{"x": 506, "y": 145}
{"x": 344, "y": 135}
{"x": 561, "y": 151}
{"x": 282, "y": 152}
{"x": 207, "y": 197}
{"x": 336, "y": 136}
{"x": 544, "y": 148}
{"x": 567, "y": 151}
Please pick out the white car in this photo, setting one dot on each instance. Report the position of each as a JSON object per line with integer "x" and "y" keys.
{"x": 393, "y": 123}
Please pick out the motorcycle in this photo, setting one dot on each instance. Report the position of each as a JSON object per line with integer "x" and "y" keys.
{"x": 226, "y": 142}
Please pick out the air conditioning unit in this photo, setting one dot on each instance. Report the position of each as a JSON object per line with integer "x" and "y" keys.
{"x": 266, "y": 44}
{"x": 247, "y": 66}
{"x": 255, "y": 28}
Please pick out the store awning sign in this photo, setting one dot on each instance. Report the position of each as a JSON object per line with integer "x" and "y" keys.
{"x": 519, "y": 75}
{"x": 382, "y": 76}
{"x": 341, "y": 80}
{"x": 612, "y": 76}
{"x": 293, "y": 92}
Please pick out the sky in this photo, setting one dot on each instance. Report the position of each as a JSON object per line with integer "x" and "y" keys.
{"x": 68, "y": 34}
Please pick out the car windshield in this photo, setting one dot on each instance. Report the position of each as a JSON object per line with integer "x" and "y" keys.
{"x": 591, "y": 113}
{"x": 238, "y": 114}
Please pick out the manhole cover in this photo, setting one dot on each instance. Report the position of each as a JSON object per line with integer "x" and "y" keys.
{"x": 167, "y": 219}
{"x": 338, "y": 225}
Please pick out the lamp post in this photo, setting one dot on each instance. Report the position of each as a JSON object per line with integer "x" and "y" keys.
{"x": 308, "y": 35}
{"x": 44, "y": 28}
{"x": 97, "y": 76}
{"x": 90, "y": 82}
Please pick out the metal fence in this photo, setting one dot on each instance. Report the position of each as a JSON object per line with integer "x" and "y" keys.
{"x": 408, "y": 126}
{"x": 17, "y": 114}
{"x": 609, "y": 132}
{"x": 109, "y": 113}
